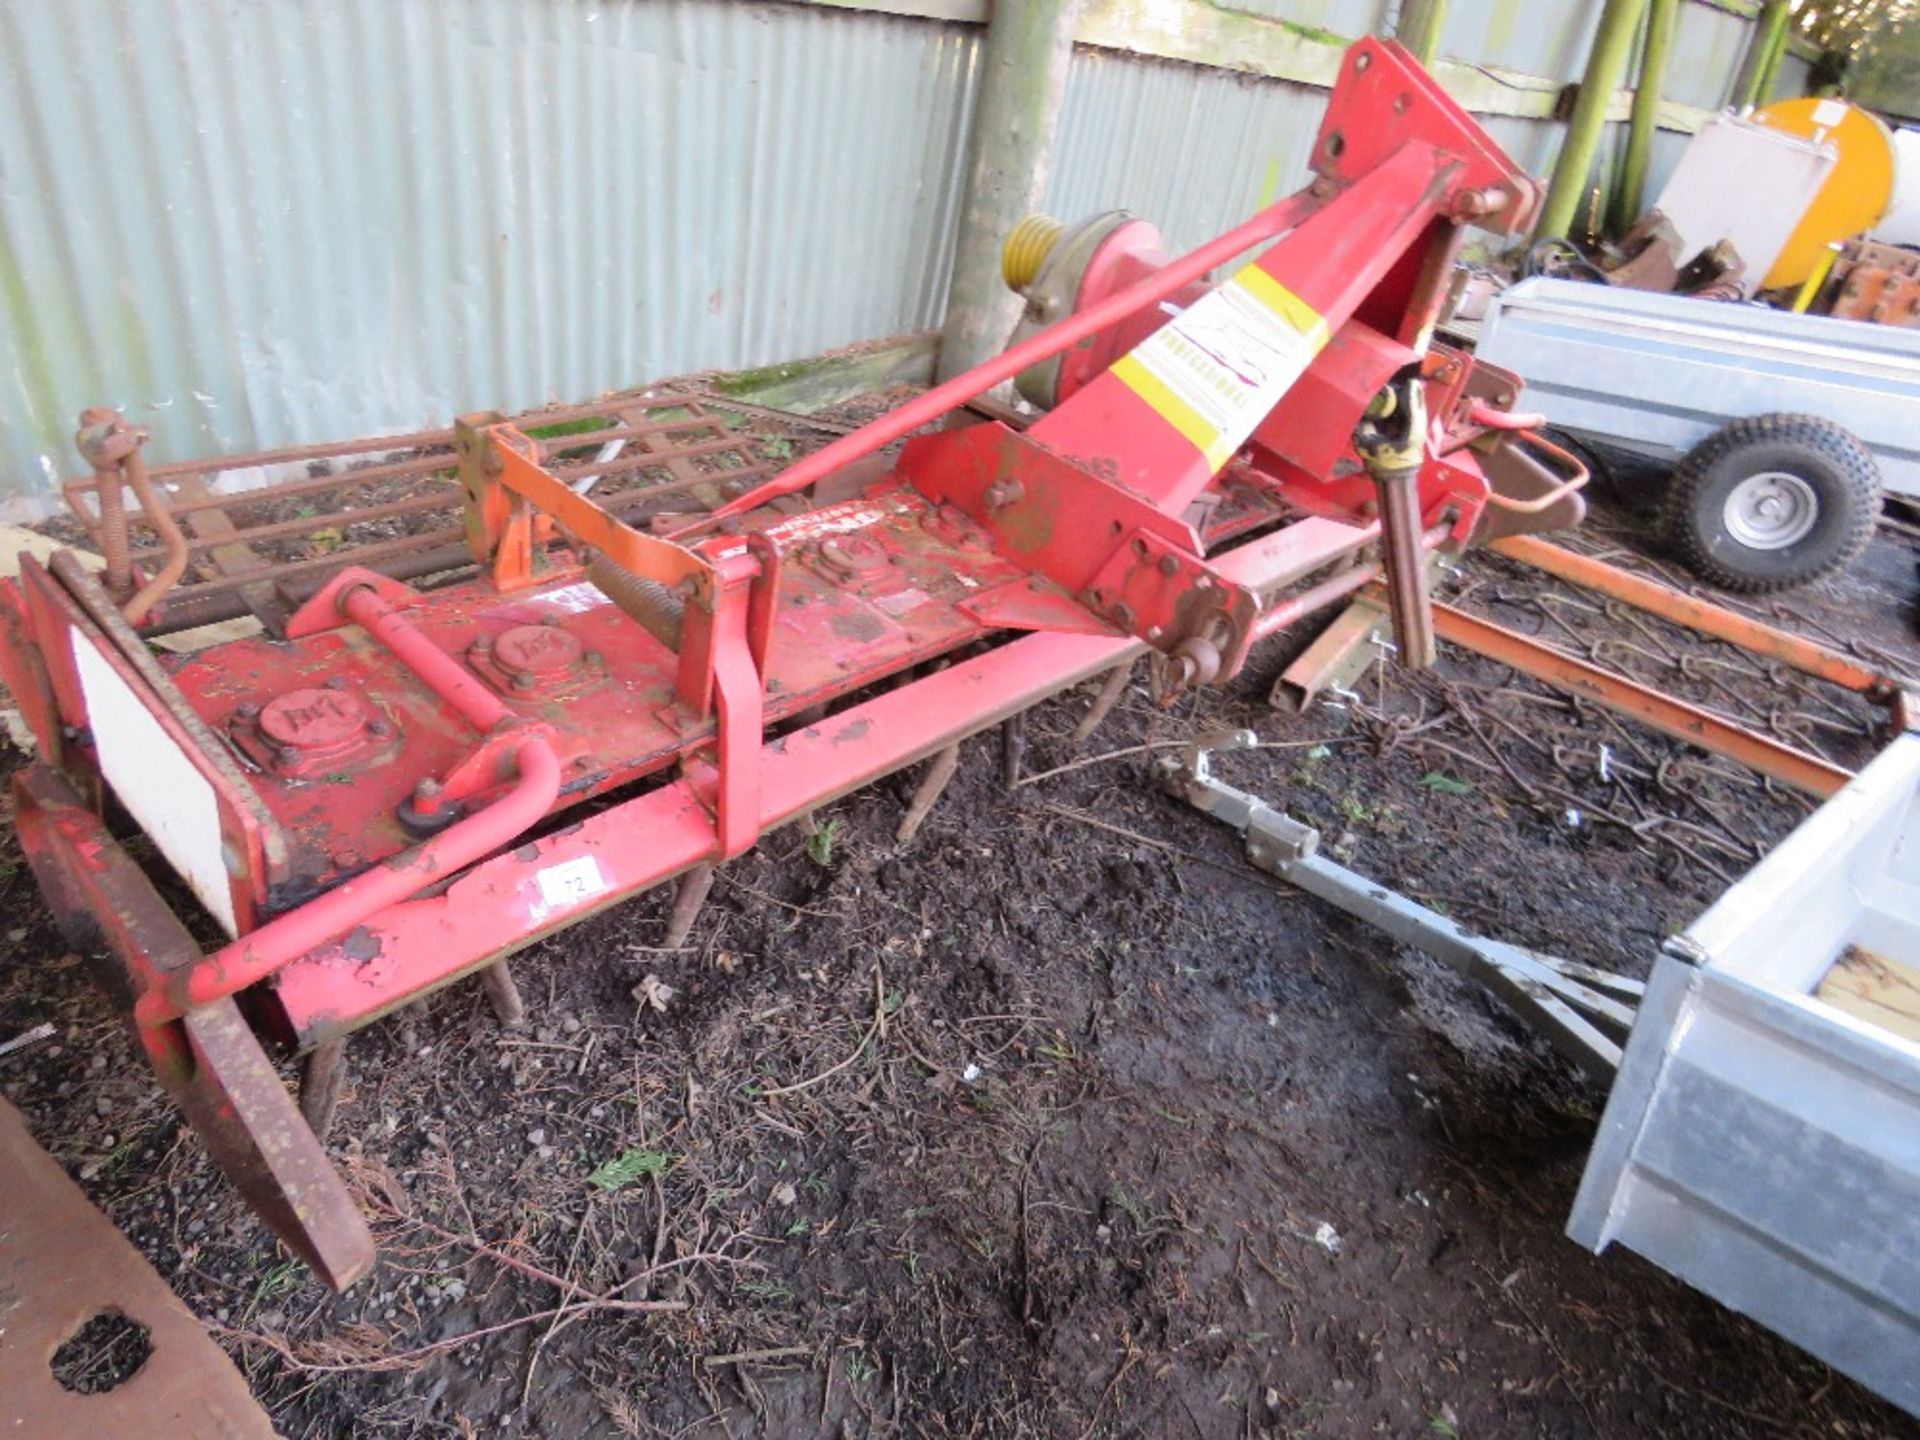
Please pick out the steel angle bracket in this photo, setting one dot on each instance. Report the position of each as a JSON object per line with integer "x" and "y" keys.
{"x": 209, "y": 1060}
{"x": 1584, "y": 1012}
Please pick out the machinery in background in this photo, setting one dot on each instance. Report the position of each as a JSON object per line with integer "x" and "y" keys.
{"x": 1872, "y": 281}
{"x": 394, "y": 788}
{"x": 1758, "y": 205}
{"x": 1788, "y": 418}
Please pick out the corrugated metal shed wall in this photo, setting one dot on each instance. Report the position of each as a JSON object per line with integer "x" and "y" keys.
{"x": 282, "y": 220}
{"x": 1198, "y": 150}
{"x": 1351, "y": 18}
{"x": 253, "y": 223}
{"x": 1195, "y": 151}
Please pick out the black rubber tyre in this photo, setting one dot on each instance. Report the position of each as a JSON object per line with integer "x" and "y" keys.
{"x": 1822, "y": 486}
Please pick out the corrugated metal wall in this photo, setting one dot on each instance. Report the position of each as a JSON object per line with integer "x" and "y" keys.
{"x": 1199, "y": 150}
{"x": 1195, "y": 151}
{"x": 257, "y": 222}
{"x": 260, "y": 221}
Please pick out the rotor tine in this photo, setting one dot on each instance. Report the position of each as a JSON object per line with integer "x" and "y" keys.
{"x": 1110, "y": 692}
{"x": 1013, "y": 750}
{"x": 503, "y": 994}
{"x": 926, "y": 795}
{"x": 322, "y": 1077}
{"x": 687, "y": 903}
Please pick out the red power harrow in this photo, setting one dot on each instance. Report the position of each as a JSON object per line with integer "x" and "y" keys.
{"x": 391, "y": 789}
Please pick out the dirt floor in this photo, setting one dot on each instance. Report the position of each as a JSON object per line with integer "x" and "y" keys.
{"x": 1060, "y": 1121}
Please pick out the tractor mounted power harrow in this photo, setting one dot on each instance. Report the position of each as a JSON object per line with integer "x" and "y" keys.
{"x": 393, "y": 787}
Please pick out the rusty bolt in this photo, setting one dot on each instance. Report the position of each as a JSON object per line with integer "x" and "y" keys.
{"x": 427, "y": 791}
{"x": 1169, "y": 566}
{"x": 1123, "y": 615}
{"x": 1471, "y": 204}
{"x": 483, "y": 642}
{"x": 105, "y": 438}
{"x": 286, "y": 754}
{"x": 344, "y": 859}
{"x": 594, "y": 658}
{"x": 380, "y": 727}
{"x": 248, "y": 712}
{"x": 522, "y": 680}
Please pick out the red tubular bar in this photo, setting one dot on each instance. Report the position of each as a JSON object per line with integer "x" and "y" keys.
{"x": 1317, "y": 597}
{"x": 1271, "y": 222}
{"x": 437, "y": 670}
{"x": 259, "y": 953}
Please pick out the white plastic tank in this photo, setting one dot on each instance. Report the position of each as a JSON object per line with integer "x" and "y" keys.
{"x": 1902, "y": 223}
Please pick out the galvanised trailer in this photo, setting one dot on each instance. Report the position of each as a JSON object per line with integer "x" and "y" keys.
{"x": 1787, "y": 427}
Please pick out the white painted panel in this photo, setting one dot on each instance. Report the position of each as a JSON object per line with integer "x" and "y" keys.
{"x": 156, "y": 780}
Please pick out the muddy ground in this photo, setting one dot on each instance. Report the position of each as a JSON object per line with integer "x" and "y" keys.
{"x": 1059, "y": 1121}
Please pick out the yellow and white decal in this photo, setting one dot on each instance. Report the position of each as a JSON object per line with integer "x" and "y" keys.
{"x": 1214, "y": 371}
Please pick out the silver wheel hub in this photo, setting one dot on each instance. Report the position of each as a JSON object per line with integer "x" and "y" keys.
{"x": 1771, "y": 510}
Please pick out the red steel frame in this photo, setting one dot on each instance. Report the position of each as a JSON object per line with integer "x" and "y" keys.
{"x": 382, "y": 774}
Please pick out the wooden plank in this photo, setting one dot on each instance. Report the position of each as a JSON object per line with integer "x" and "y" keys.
{"x": 1875, "y": 988}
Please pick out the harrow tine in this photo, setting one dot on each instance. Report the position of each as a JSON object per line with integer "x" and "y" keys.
{"x": 933, "y": 784}
{"x": 1110, "y": 692}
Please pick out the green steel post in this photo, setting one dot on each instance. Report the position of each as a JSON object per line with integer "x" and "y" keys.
{"x": 1023, "y": 76}
{"x": 1662, "y": 16}
{"x": 1770, "y": 74}
{"x": 1421, "y": 22}
{"x": 1764, "y": 44}
{"x": 1606, "y": 67}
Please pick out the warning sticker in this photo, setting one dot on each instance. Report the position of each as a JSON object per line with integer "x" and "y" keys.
{"x": 1215, "y": 370}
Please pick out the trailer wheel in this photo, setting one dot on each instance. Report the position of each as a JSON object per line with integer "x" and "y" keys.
{"x": 1773, "y": 502}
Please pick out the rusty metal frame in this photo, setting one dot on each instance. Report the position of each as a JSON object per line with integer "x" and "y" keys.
{"x": 1675, "y": 717}
{"x": 208, "y": 1060}
{"x": 229, "y": 572}
{"x": 65, "y": 1264}
{"x": 1704, "y": 616}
